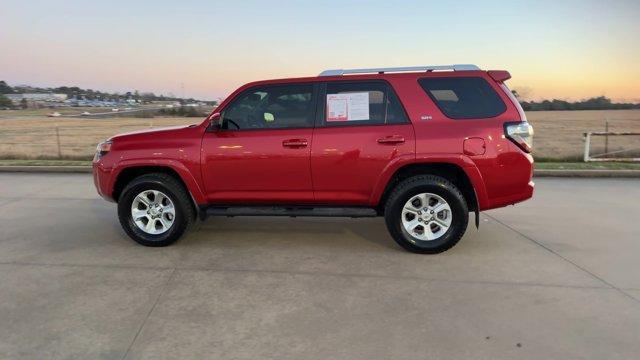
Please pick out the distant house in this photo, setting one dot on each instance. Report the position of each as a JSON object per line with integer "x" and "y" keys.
{"x": 36, "y": 97}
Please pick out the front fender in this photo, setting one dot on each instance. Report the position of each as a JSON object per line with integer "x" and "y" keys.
{"x": 193, "y": 187}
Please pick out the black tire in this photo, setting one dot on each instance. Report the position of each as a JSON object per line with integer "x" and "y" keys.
{"x": 184, "y": 211}
{"x": 426, "y": 184}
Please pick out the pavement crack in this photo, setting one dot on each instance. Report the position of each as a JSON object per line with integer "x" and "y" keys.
{"x": 549, "y": 249}
{"x": 157, "y": 300}
{"x": 311, "y": 273}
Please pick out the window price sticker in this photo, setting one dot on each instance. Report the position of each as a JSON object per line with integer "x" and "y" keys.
{"x": 348, "y": 106}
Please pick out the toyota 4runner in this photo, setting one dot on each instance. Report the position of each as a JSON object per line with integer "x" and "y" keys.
{"x": 421, "y": 146}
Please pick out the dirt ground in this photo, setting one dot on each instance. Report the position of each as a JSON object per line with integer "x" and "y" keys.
{"x": 558, "y": 134}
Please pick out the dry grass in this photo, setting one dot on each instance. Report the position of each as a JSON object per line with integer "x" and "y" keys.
{"x": 44, "y": 111}
{"x": 558, "y": 133}
{"x": 36, "y": 137}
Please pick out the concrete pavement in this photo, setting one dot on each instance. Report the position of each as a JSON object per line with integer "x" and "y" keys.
{"x": 556, "y": 277}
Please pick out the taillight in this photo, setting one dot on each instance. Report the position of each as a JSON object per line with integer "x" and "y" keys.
{"x": 521, "y": 133}
{"x": 103, "y": 148}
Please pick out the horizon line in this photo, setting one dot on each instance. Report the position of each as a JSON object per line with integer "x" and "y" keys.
{"x": 220, "y": 98}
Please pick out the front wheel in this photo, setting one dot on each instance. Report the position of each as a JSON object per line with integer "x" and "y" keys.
{"x": 426, "y": 214}
{"x": 155, "y": 210}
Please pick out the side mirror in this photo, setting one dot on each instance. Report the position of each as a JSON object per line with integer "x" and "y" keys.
{"x": 215, "y": 122}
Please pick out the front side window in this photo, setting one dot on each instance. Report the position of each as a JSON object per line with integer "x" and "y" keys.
{"x": 463, "y": 97}
{"x": 271, "y": 107}
{"x": 362, "y": 103}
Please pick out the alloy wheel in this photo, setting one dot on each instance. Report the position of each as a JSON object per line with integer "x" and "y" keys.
{"x": 426, "y": 217}
{"x": 153, "y": 212}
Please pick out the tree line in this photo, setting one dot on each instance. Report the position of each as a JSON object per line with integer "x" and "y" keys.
{"x": 75, "y": 92}
{"x": 596, "y": 103}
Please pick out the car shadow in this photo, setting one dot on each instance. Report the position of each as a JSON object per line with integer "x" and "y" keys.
{"x": 283, "y": 229}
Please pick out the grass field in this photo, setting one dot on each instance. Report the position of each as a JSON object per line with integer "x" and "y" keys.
{"x": 37, "y": 137}
{"x": 65, "y": 111}
{"x": 558, "y": 134}
{"x": 582, "y": 166}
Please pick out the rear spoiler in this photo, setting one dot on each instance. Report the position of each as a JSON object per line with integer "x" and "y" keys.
{"x": 499, "y": 75}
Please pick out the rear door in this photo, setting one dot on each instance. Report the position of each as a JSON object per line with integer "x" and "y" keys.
{"x": 362, "y": 127}
{"x": 261, "y": 154}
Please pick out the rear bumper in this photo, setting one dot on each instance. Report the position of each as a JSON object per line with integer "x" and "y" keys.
{"x": 526, "y": 194}
{"x": 508, "y": 180}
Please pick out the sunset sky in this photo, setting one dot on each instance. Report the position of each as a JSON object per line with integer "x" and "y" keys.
{"x": 553, "y": 49}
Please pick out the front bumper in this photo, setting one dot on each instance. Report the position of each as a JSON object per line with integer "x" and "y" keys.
{"x": 102, "y": 180}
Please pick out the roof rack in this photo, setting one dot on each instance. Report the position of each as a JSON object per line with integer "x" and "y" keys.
{"x": 428, "y": 68}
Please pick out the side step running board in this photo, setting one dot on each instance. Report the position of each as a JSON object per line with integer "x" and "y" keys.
{"x": 288, "y": 211}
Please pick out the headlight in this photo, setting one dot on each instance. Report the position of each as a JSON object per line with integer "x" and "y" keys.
{"x": 103, "y": 148}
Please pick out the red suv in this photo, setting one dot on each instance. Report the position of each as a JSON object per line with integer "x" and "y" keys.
{"x": 421, "y": 146}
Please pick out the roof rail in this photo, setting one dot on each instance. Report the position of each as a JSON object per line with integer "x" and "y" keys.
{"x": 428, "y": 68}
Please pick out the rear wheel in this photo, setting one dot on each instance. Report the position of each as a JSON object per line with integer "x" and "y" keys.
{"x": 155, "y": 210}
{"x": 426, "y": 214}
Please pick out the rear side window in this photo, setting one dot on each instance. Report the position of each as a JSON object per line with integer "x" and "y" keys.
{"x": 362, "y": 103}
{"x": 463, "y": 97}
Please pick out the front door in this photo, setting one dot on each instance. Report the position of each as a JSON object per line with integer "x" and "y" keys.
{"x": 261, "y": 154}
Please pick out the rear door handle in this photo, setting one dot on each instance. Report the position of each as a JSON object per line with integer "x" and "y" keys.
{"x": 392, "y": 139}
{"x": 295, "y": 143}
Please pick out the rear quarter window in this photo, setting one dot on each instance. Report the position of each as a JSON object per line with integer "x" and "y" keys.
{"x": 463, "y": 97}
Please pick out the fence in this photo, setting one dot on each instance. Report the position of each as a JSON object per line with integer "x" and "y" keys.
{"x": 628, "y": 153}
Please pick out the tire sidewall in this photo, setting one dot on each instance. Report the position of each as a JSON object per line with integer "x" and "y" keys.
{"x": 126, "y": 219}
{"x": 451, "y": 236}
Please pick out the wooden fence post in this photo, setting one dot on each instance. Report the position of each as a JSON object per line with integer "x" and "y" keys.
{"x": 58, "y": 142}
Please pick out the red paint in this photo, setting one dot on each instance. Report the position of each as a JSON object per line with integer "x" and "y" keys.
{"x": 348, "y": 165}
{"x": 257, "y": 166}
{"x": 474, "y": 146}
{"x": 347, "y": 161}
{"x": 499, "y": 75}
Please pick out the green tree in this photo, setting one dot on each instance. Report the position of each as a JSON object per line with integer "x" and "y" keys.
{"x": 5, "y": 102}
{"x": 24, "y": 104}
{"x": 5, "y": 88}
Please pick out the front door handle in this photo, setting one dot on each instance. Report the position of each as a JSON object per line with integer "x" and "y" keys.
{"x": 392, "y": 139}
{"x": 295, "y": 143}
